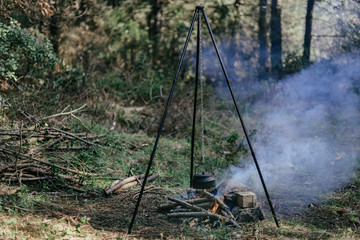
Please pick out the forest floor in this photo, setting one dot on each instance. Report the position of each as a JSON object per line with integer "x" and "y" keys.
{"x": 42, "y": 211}
{"x": 75, "y": 216}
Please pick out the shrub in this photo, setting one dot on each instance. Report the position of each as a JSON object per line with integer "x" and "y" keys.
{"x": 22, "y": 54}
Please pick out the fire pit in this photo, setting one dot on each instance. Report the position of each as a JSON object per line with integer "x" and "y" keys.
{"x": 228, "y": 203}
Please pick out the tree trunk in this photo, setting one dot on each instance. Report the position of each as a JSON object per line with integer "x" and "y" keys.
{"x": 275, "y": 36}
{"x": 308, "y": 28}
{"x": 154, "y": 24}
{"x": 263, "y": 50}
{"x": 54, "y": 31}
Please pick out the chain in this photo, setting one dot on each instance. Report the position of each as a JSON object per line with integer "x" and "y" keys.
{"x": 202, "y": 97}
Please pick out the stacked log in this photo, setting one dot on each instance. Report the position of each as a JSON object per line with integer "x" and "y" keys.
{"x": 201, "y": 207}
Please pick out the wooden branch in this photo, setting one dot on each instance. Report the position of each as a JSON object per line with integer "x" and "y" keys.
{"x": 187, "y": 205}
{"x": 126, "y": 186}
{"x": 48, "y": 163}
{"x": 26, "y": 179}
{"x": 210, "y": 215}
{"x": 222, "y": 205}
{"x": 136, "y": 182}
{"x": 64, "y": 113}
{"x": 211, "y": 196}
{"x": 71, "y": 135}
{"x": 206, "y": 205}
{"x": 169, "y": 206}
{"x": 123, "y": 182}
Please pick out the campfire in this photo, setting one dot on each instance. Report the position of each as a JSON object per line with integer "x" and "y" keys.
{"x": 229, "y": 203}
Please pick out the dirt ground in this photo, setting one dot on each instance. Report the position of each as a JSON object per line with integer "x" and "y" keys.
{"x": 72, "y": 216}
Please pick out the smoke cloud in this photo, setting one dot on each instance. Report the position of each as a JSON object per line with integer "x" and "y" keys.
{"x": 307, "y": 139}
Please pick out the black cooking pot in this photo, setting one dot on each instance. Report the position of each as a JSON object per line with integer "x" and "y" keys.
{"x": 204, "y": 181}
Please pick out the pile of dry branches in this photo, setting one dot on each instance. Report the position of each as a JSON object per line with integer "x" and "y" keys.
{"x": 27, "y": 146}
{"x": 204, "y": 206}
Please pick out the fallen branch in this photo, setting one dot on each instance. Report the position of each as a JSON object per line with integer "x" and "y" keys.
{"x": 24, "y": 179}
{"x": 187, "y": 205}
{"x": 122, "y": 183}
{"x": 71, "y": 135}
{"x": 210, "y": 215}
{"x": 196, "y": 201}
{"x": 136, "y": 182}
{"x": 64, "y": 113}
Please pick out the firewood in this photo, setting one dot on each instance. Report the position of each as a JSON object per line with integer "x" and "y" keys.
{"x": 210, "y": 215}
{"x": 187, "y": 205}
{"x": 124, "y": 182}
{"x": 169, "y": 206}
{"x": 24, "y": 179}
{"x": 222, "y": 205}
{"x": 206, "y": 205}
{"x": 126, "y": 186}
{"x": 121, "y": 186}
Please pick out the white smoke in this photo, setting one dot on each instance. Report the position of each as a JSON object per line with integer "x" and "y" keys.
{"x": 307, "y": 142}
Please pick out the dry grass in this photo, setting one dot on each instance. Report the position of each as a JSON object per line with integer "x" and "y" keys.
{"x": 32, "y": 227}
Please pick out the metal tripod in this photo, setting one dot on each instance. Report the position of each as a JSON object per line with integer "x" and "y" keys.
{"x": 198, "y": 11}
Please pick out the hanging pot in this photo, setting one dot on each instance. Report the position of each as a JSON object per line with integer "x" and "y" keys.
{"x": 204, "y": 181}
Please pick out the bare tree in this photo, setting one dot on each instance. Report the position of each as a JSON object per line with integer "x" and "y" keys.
{"x": 308, "y": 28}
{"x": 154, "y": 24}
{"x": 263, "y": 50}
{"x": 275, "y": 36}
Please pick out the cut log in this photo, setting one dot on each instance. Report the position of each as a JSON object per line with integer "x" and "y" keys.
{"x": 123, "y": 182}
{"x": 136, "y": 182}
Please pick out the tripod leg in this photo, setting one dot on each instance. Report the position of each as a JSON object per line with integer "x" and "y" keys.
{"x": 195, "y": 101}
{"x": 162, "y": 123}
{"x": 241, "y": 121}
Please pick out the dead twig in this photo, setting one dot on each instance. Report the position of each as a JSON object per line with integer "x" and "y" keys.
{"x": 205, "y": 214}
{"x": 72, "y": 135}
{"x": 64, "y": 113}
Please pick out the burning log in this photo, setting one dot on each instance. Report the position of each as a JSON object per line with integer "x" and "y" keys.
{"x": 222, "y": 205}
{"x": 215, "y": 198}
{"x": 201, "y": 212}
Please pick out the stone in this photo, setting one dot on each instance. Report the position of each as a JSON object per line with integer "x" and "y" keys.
{"x": 231, "y": 186}
{"x": 229, "y": 189}
{"x": 245, "y": 215}
{"x": 246, "y": 199}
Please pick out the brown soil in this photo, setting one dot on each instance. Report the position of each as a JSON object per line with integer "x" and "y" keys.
{"x": 114, "y": 213}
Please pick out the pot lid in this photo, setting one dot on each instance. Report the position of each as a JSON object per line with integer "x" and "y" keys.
{"x": 203, "y": 175}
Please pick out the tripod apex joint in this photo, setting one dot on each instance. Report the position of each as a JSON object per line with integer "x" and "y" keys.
{"x": 200, "y": 7}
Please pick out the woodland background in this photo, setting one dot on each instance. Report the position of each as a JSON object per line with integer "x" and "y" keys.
{"x": 97, "y": 67}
